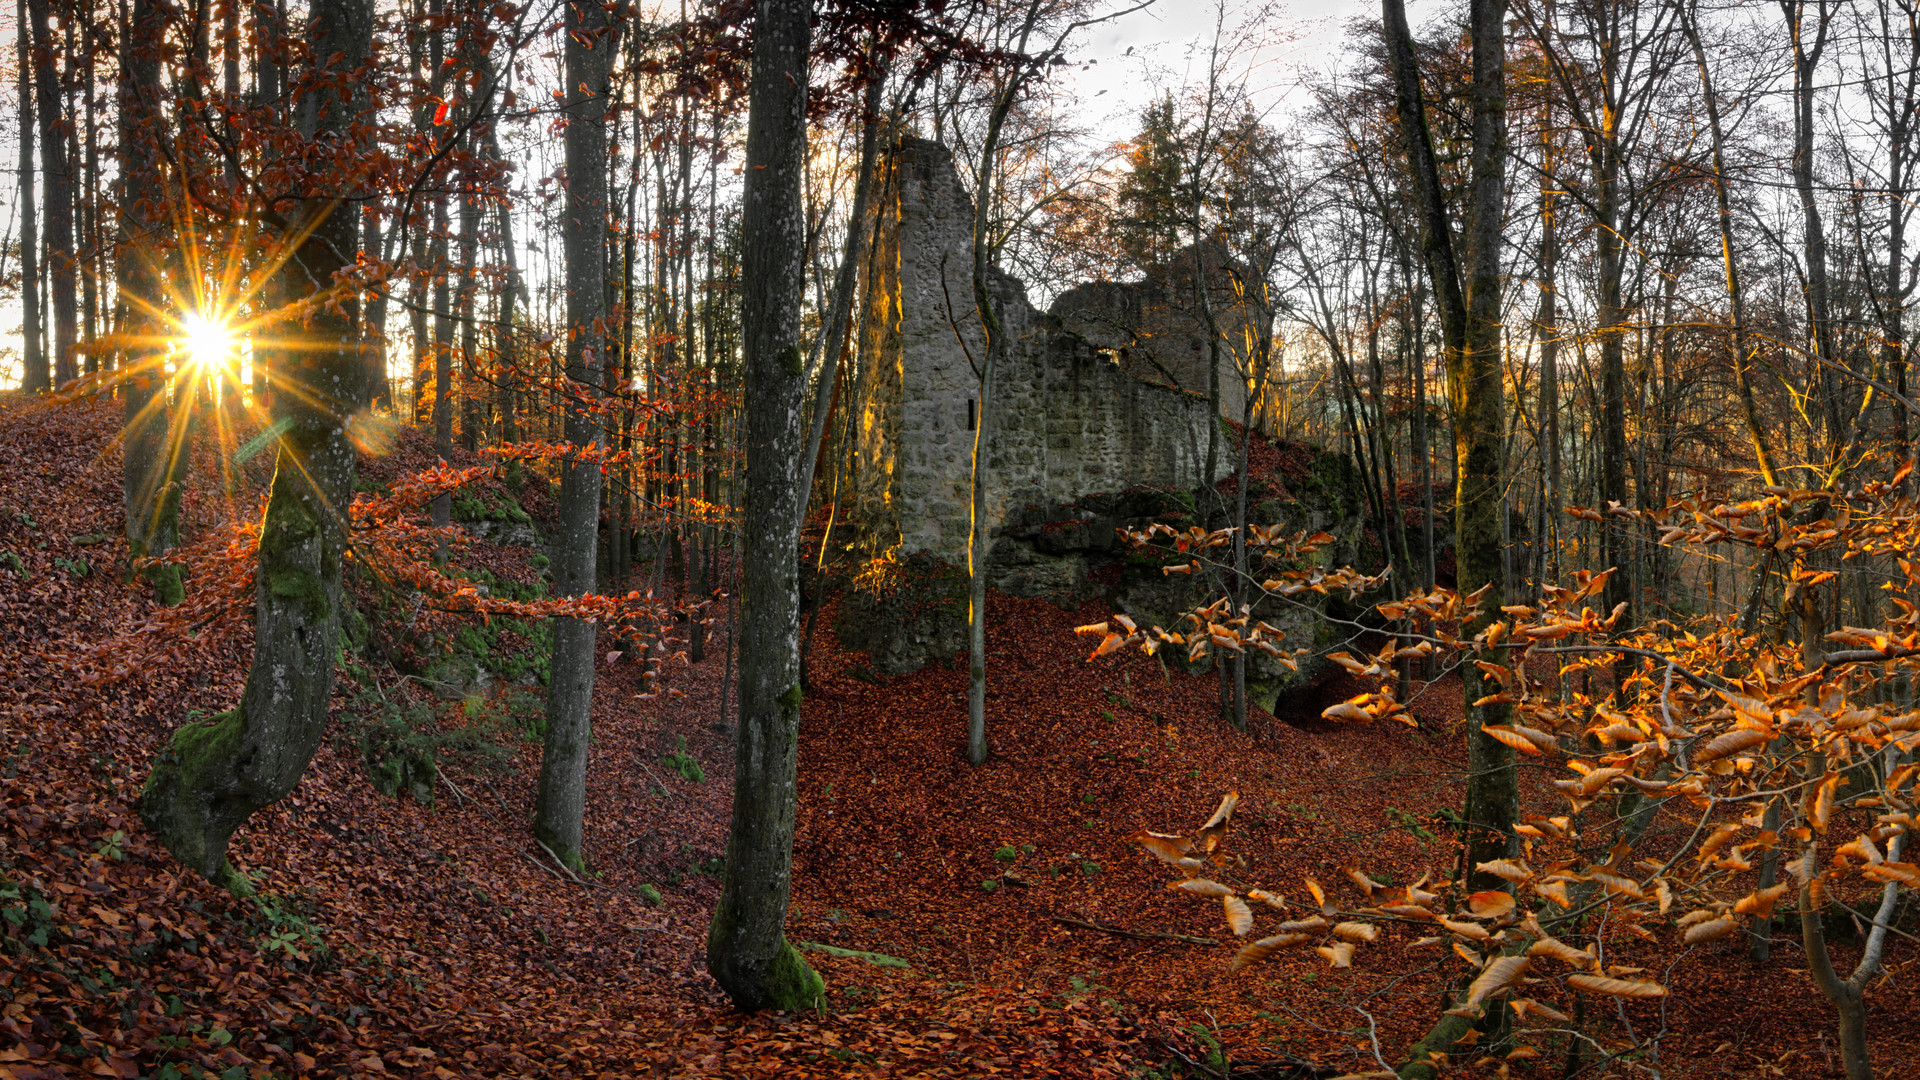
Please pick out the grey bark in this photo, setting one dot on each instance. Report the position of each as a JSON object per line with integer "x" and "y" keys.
{"x": 1467, "y": 289}
{"x": 747, "y": 949}
{"x": 835, "y": 339}
{"x": 979, "y": 542}
{"x": 561, "y": 810}
{"x": 214, "y": 774}
{"x": 34, "y": 375}
{"x": 62, "y": 268}
{"x": 150, "y": 470}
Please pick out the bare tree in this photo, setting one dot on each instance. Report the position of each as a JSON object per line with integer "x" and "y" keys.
{"x": 560, "y": 811}
{"x": 747, "y": 948}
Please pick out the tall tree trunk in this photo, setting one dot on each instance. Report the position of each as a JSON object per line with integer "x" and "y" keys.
{"x": 561, "y": 810}
{"x": 62, "y": 268}
{"x": 747, "y": 949}
{"x": 442, "y": 509}
{"x": 89, "y": 200}
{"x": 149, "y": 485}
{"x": 1467, "y": 287}
{"x": 834, "y": 341}
{"x": 35, "y": 375}
{"x": 470, "y": 406}
{"x": 214, "y": 774}
{"x": 505, "y": 363}
{"x": 1549, "y": 326}
{"x": 979, "y": 540}
{"x": 1809, "y": 41}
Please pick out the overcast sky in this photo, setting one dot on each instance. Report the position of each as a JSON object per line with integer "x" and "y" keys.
{"x": 1294, "y": 40}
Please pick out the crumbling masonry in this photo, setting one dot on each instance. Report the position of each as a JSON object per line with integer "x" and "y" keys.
{"x": 1080, "y": 406}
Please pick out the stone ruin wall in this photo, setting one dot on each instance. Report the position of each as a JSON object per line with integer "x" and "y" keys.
{"x": 1068, "y": 419}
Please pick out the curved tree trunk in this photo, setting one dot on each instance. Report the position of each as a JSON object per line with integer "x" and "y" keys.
{"x": 747, "y": 949}
{"x": 213, "y": 775}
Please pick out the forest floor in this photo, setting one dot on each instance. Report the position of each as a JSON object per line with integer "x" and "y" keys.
{"x": 392, "y": 936}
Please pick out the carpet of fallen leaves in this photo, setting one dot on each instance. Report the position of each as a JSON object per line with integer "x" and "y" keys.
{"x": 395, "y": 938}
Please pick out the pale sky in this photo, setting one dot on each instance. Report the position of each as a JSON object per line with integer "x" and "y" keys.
{"x": 1169, "y": 41}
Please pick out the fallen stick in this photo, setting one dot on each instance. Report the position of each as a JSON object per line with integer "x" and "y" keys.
{"x": 1138, "y": 935}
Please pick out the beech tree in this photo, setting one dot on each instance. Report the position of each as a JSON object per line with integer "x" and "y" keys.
{"x": 215, "y": 773}
{"x": 1465, "y": 271}
{"x": 747, "y": 948}
{"x": 560, "y": 812}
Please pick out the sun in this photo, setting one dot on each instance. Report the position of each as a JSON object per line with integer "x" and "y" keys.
{"x": 208, "y": 343}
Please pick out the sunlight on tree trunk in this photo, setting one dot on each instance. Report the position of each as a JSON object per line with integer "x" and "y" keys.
{"x": 150, "y": 478}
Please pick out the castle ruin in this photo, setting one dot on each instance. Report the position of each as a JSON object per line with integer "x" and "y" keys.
{"x": 1105, "y": 392}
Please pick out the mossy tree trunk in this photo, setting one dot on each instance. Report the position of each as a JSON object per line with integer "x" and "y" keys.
{"x": 747, "y": 949}
{"x": 213, "y": 775}
{"x": 560, "y": 812}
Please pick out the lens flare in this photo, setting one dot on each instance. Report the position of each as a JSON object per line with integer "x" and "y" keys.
{"x": 208, "y": 344}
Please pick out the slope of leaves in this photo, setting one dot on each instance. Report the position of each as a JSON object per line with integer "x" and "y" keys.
{"x": 387, "y": 937}
{"x": 393, "y": 938}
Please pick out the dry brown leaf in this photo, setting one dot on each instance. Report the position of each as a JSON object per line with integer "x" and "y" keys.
{"x": 1473, "y": 931}
{"x": 1823, "y": 798}
{"x": 1224, "y": 812}
{"x": 1500, "y": 973}
{"x": 1561, "y": 951}
{"x": 1339, "y": 954}
{"x": 1594, "y": 781}
{"x": 1759, "y": 903}
{"x": 1526, "y": 1008}
{"x": 1555, "y": 891}
{"x": 1730, "y": 742}
{"x": 1162, "y": 846}
{"x": 1304, "y": 925}
{"x": 1255, "y": 951}
{"x": 1902, "y": 872}
{"x": 1319, "y": 895}
{"x": 1628, "y": 988}
{"x": 1490, "y": 904}
{"x": 1201, "y": 887}
{"x": 1366, "y": 884}
{"x": 1504, "y": 868}
{"x": 1716, "y": 840}
{"x": 1712, "y": 930}
{"x": 1356, "y": 931}
{"x": 1239, "y": 915}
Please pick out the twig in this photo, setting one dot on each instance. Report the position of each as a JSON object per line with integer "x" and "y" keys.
{"x": 542, "y": 866}
{"x": 1139, "y": 935}
{"x": 451, "y": 786}
{"x": 668, "y": 792}
{"x": 556, "y": 861}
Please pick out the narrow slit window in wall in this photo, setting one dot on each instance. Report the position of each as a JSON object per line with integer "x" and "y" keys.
{"x": 970, "y": 421}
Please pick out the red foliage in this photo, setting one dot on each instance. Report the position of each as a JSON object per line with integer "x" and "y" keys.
{"x": 455, "y": 949}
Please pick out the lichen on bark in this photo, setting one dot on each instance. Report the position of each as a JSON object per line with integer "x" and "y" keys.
{"x": 212, "y": 776}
